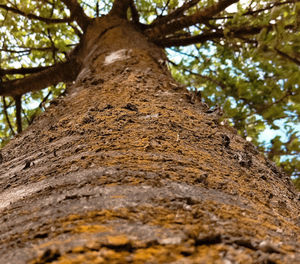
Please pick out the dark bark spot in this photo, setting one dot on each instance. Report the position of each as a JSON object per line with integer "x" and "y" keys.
{"x": 267, "y": 247}
{"x": 131, "y": 107}
{"x": 225, "y": 141}
{"x": 273, "y": 168}
{"x": 108, "y": 107}
{"x": 72, "y": 197}
{"x": 208, "y": 239}
{"x": 49, "y": 256}
{"x": 245, "y": 160}
{"x": 282, "y": 204}
{"x": 246, "y": 164}
{"x": 93, "y": 109}
{"x": 119, "y": 248}
{"x": 249, "y": 147}
{"x": 51, "y": 139}
{"x": 27, "y": 165}
{"x": 97, "y": 81}
{"x": 187, "y": 252}
{"x": 41, "y": 235}
{"x": 98, "y": 150}
{"x": 263, "y": 177}
{"x": 201, "y": 179}
{"x": 53, "y": 127}
{"x": 7, "y": 186}
{"x": 88, "y": 119}
{"x": 54, "y": 102}
{"x": 247, "y": 243}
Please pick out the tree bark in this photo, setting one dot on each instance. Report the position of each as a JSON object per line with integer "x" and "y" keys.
{"x": 126, "y": 168}
{"x": 18, "y": 103}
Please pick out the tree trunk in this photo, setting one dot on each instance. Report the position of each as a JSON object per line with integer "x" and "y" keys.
{"x": 128, "y": 168}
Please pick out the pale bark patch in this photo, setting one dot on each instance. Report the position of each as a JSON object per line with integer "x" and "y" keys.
{"x": 118, "y": 55}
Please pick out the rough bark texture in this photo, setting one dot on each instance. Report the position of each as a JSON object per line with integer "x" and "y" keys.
{"x": 127, "y": 169}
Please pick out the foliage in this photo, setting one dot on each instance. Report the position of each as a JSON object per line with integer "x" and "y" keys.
{"x": 247, "y": 61}
{"x": 255, "y": 79}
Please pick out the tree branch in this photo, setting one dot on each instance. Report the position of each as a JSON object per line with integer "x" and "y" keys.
{"x": 29, "y": 49}
{"x": 184, "y": 41}
{"x": 23, "y": 70}
{"x": 176, "y": 13}
{"x": 134, "y": 13}
{"x": 76, "y": 30}
{"x": 15, "y": 51}
{"x": 32, "y": 16}
{"x": 18, "y": 102}
{"x": 187, "y": 21}
{"x": 215, "y": 81}
{"x": 77, "y": 13}
{"x": 61, "y": 72}
{"x": 120, "y": 8}
{"x": 41, "y": 105}
{"x": 288, "y": 56}
{"x": 253, "y": 12}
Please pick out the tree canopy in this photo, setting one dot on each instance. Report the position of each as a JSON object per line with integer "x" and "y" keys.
{"x": 242, "y": 55}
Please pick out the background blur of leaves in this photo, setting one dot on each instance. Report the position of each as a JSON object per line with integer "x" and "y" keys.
{"x": 254, "y": 78}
